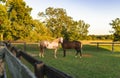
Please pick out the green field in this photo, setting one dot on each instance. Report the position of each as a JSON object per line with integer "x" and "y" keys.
{"x": 95, "y": 63}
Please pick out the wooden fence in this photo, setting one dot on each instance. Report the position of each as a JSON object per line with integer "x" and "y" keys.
{"x": 41, "y": 70}
{"x": 108, "y": 43}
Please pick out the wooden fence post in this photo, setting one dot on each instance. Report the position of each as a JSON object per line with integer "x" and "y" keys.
{"x": 97, "y": 45}
{"x": 113, "y": 47}
{"x": 39, "y": 70}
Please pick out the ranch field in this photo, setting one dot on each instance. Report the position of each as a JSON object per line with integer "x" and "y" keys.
{"x": 95, "y": 63}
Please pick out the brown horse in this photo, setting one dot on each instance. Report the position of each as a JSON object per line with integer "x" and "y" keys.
{"x": 72, "y": 45}
{"x": 50, "y": 45}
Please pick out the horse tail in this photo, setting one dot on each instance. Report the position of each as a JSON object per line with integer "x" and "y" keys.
{"x": 81, "y": 45}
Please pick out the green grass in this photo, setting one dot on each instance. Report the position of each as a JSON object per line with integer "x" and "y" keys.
{"x": 95, "y": 63}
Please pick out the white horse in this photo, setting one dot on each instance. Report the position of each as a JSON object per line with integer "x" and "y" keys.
{"x": 50, "y": 45}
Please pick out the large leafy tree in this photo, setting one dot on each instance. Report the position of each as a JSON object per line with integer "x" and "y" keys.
{"x": 4, "y": 22}
{"x": 116, "y": 26}
{"x": 82, "y": 29}
{"x": 56, "y": 19}
{"x": 60, "y": 24}
{"x": 17, "y": 24}
{"x": 21, "y": 21}
{"x": 2, "y": 1}
{"x": 39, "y": 31}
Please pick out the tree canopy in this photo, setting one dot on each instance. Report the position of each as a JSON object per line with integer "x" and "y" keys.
{"x": 16, "y": 23}
{"x": 60, "y": 24}
{"x": 116, "y": 26}
{"x": 4, "y": 22}
{"x": 20, "y": 18}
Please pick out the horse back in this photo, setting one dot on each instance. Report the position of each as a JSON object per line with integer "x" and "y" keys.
{"x": 78, "y": 44}
{"x": 71, "y": 44}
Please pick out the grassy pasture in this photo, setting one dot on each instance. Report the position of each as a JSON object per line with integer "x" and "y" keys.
{"x": 95, "y": 63}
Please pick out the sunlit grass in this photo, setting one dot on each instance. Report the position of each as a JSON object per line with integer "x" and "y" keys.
{"x": 101, "y": 64}
{"x": 95, "y": 63}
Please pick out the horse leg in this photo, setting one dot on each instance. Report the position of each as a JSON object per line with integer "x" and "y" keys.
{"x": 80, "y": 50}
{"x": 80, "y": 53}
{"x": 41, "y": 54}
{"x": 76, "y": 53}
{"x": 64, "y": 52}
{"x": 55, "y": 53}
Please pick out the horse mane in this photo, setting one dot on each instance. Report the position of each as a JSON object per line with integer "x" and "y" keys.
{"x": 71, "y": 41}
{"x": 66, "y": 40}
{"x": 56, "y": 40}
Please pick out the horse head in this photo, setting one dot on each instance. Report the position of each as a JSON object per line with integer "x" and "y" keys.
{"x": 61, "y": 40}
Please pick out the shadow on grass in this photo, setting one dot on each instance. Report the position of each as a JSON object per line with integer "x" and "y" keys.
{"x": 93, "y": 48}
{"x": 103, "y": 50}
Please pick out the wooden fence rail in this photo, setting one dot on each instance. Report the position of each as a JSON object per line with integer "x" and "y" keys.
{"x": 108, "y": 43}
{"x": 40, "y": 69}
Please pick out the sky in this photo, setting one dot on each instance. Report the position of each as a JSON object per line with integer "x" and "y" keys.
{"x": 97, "y": 13}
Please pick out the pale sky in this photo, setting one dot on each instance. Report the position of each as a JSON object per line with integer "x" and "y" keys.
{"x": 97, "y": 13}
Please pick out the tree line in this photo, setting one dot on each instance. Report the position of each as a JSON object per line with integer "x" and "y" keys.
{"x": 17, "y": 24}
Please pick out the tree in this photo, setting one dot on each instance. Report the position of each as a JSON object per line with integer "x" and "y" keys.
{"x": 39, "y": 32}
{"x": 60, "y": 24}
{"x": 82, "y": 29}
{"x": 4, "y": 22}
{"x": 20, "y": 18}
{"x": 56, "y": 19}
{"x": 116, "y": 26}
{"x": 77, "y": 30}
{"x": 2, "y": 1}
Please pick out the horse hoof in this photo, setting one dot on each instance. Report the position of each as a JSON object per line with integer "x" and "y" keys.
{"x": 75, "y": 56}
{"x": 41, "y": 56}
{"x": 55, "y": 57}
{"x": 64, "y": 56}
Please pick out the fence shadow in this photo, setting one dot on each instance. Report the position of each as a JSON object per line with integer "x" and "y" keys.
{"x": 41, "y": 70}
{"x": 93, "y": 48}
